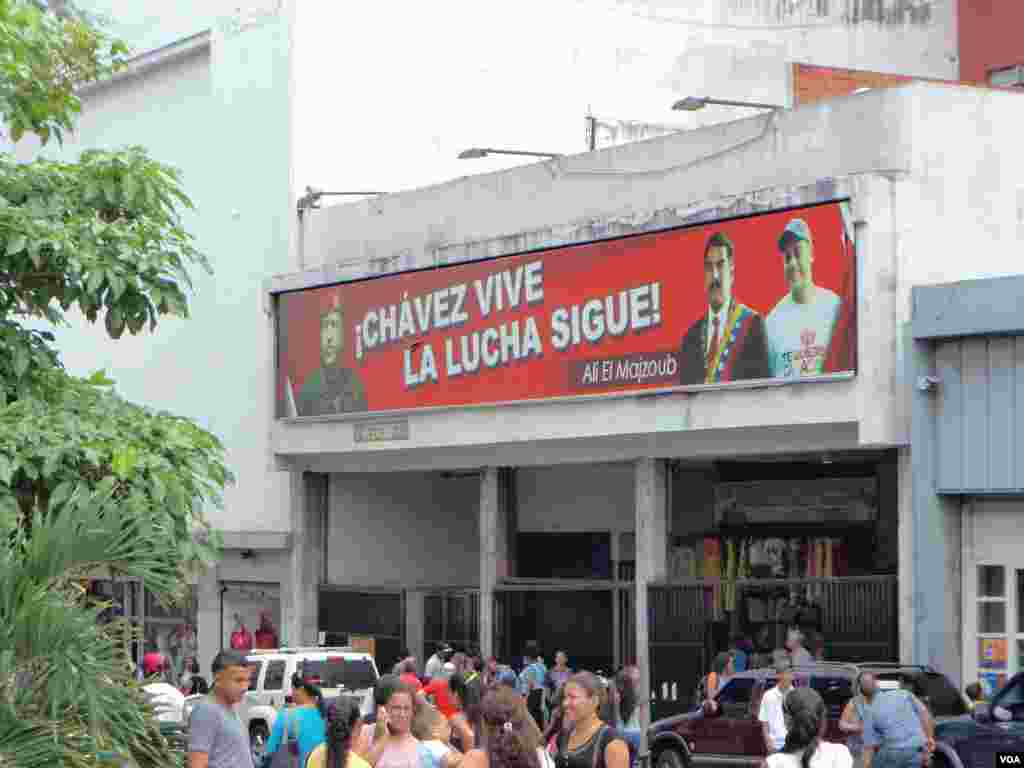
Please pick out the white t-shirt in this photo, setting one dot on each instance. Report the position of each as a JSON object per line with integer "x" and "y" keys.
{"x": 168, "y": 702}
{"x": 799, "y": 334}
{"x": 771, "y": 713}
{"x": 827, "y": 755}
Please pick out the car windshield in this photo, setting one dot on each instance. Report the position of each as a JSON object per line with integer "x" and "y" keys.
{"x": 339, "y": 672}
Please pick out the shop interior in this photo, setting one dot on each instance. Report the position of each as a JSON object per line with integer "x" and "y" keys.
{"x": 755, "y": 546}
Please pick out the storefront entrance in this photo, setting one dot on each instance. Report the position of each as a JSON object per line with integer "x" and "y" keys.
{"x": 577, "y": 621}
{"x": 451, "y": 616}
{"x": 760, "y": 547}
{"x": 993, "y": 592}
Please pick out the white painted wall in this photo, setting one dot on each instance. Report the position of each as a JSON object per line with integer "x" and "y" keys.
{"x": 411, "y": 85}
{"x": 408, "y": 528}
{"x": 575, "y": 498}
{"x": 221, "y": 117}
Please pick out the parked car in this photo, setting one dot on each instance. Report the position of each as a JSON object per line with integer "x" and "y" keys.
{"x": 995, "y": 726}
{"x": 337, "y": 671}
{"x": 733, "y": 735}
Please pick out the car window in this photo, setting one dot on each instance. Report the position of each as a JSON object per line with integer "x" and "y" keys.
{"x": 734, "y": 698}
{"x": 1012, "y": 698}
{"x": 835, "y": 691}
{"x": 943, "y": 698}
{"x": 339, "y": 672}
{"x": 736, "y": 691}
{"x": 255, "y": 668}
{"x": 274, "y": 680}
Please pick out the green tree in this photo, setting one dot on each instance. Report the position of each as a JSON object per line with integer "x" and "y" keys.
{"x": 88, "y": 482}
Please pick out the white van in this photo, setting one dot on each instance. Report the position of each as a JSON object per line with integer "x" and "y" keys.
{"x": 336, "y": 671}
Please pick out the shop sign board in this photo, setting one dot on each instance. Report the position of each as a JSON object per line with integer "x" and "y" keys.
{"x": 825, "y": 500}
{"x": 381, "y": 431}
{"x": 763, "y": 298}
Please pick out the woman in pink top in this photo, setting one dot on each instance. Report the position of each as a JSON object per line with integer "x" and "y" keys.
{"x": 394, "y": 746}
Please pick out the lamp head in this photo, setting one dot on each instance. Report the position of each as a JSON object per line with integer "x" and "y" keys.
{"x": 690, "y": 104}
{"x": 472, "y": 154}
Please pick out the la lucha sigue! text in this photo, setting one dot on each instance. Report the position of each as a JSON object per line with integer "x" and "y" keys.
{"x": 627, "y": 310}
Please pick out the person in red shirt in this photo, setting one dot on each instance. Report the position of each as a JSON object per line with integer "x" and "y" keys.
{"x": 439, "y": 691}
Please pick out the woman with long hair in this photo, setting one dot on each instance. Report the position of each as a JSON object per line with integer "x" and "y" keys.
{"x": 342, "y": 726}
{"x": 510, "y": 734}
{"x": 588, "y": 742}
{"x": 556, "y": 722}
{"x": 806, "y": 720}
{"x": 626, "y": 701}
{"x": 463, "y": 737}
{"x": 303, "y": 722}
{"x": 394, "y": 746}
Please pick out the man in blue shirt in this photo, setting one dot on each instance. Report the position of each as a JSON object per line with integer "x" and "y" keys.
{"x": 531, "y": 682}
{"x": 898, "y": 728}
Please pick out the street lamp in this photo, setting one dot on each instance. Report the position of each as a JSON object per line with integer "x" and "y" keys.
{"x": 694, "y": 103}
{"x": 312, "y": 197}
{"x": 477, "y": 152}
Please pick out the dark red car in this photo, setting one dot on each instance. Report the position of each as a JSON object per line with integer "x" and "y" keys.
{"x": 733, "y": 735}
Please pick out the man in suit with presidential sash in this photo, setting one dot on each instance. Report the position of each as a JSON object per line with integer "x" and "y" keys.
{"x": 728, "y": 342}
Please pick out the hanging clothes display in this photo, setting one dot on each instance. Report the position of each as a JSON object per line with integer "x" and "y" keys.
{"x": 266, "y": 635}
{"x": 713, "y": 572}
{"x": 692, "y": 561}
{"x": 241, "y": 638}
{"x": 731, "y": 569}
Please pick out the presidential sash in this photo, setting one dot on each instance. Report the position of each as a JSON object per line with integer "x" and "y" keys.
{"x": 720, "y": 367}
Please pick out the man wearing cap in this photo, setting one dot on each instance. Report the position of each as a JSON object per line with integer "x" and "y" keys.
{"x": 800, "y": 327}
{"x": 728, "y": 342}
{"x": 435, "y": 663}
{"x": 332, "y": 388}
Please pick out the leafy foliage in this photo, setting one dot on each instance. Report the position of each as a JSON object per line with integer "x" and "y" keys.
{"x": 88, "y": 481}
{"x": 73, "y": 435}
{"x": 66, "y": 691}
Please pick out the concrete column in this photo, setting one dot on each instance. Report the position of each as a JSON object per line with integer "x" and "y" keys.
{"x": 934, "y": 532}
{"x": 209, "y": 633}
{"x": 308, "y": 497}
{"x": 651, "y": 567}
{"x": 493, "y": 552}
{"x": 414, "y": 620}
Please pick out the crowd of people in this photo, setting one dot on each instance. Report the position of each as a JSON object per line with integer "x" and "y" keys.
{"x": 459, "y": 712}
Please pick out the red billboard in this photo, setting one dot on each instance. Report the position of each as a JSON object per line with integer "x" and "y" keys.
{"x": 770, "y": 296}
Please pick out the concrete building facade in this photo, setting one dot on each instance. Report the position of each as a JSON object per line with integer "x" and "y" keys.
{"x": 921, "y": 215}
{"x": 255, "y": 100}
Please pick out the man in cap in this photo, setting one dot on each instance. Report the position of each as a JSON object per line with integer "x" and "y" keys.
{"x": 435, "y": 663}
{"x": 728, "y": 342}
{"x": 800, "y": 327}
{"x": 332, "y": 388}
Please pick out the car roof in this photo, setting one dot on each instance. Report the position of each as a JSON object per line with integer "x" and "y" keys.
{"x": 840, "y": 669}
{"x": 307, "y": 653}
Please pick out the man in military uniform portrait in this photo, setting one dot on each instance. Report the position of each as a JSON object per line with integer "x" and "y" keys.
{"x": 728, "y": 342}
{"x": 331, "y": 388}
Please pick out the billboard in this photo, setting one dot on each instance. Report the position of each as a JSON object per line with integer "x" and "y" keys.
{"x": 765, "y": 297}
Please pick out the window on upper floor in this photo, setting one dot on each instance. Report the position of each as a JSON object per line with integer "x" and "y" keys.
{"x": 1008, "y": 77}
